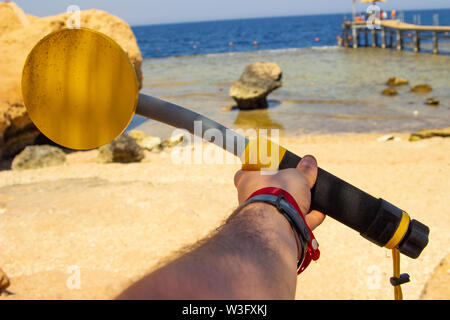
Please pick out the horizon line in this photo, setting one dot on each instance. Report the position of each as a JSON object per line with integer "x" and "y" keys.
{"x": 268, "y": 17}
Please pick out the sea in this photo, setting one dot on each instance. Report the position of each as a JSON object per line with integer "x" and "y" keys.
{"x": 326, "y": 89}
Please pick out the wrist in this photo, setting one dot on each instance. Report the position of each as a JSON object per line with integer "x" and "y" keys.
{"x": 272, "y": 221}
{"x": 285, "y": 203}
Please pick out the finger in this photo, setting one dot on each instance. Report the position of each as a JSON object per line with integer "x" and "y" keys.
{"x": 314, "y": 219}
{"x": 238, "y": 177}
{"x": 308, "y": 166}
{"x": 242, "y": 175}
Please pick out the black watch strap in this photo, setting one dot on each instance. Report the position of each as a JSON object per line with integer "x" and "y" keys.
{"x": 290, "y": 213}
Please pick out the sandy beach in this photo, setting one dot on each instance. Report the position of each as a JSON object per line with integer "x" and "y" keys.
{"x": 112, "y": 224}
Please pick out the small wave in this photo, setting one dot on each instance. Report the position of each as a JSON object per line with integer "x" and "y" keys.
{"x": 329, "y": 102}
{"x": 325, "y": 48}
{"x": 247, "y": 53}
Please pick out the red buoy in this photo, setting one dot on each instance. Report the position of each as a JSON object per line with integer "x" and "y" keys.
{"x": 230, "y": 44}
{"x": 317, "y": 39}
{"x": 255, "y": 43}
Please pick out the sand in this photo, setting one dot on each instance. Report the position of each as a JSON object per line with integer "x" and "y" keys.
{"x": 87, "y": 231}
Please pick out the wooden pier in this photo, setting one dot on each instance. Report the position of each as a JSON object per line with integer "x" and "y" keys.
{"x": 391, "y": 34}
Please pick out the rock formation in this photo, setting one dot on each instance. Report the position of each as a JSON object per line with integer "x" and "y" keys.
{"x": 422, "y": 88}
{"x": 430, "y": 133}
{"x": 173, "y": 141}
{"x": 396, "y": 81}
{"x": 432, "y": 102}
{"x": 437, "y": 286}
{"x": 124, "y": 149}
{"x": 4, "y": 281}
{"x": 389, "y": 92}
{"x": 147, "y": 142}
{"x": 35, "y": 157}
{"x": 19, "y": 32}
{"x": 255, "y": 84}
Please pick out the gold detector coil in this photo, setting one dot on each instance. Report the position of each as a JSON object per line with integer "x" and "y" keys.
{"x": 79, "y": 88}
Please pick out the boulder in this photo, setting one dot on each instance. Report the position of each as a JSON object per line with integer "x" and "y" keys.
{"x": 432, "y": 102}
{"x": 430, "y": 133}
{"x": 422, "y": 88}
{"x": 437, "y": 286}
{"x": 147, "y": 142}
{"x": 12, "y": 17}
{"x": 255, "y": 84}
{"x": 388, "y": 138}
{"x": 18, "y": 34}
{"x": 173, "y": 141}
{"x": 124, "y": 149}
{"x": 153, "y": 144}
{"x": 396, "y": 81}
{"x": 4, "y": 281}
{"x": 138, "y": 135}
{"x": 389, "y": 92}
{"x": 35, "y": 157}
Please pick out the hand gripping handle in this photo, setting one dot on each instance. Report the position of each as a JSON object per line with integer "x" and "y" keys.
{"x": 375, "y": 219}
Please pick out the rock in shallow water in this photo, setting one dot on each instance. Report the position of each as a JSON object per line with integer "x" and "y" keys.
{"x": 396, "y": 81}
{"x": 432, "y": 102}
{"x": 430, "y": 133}
{"x": 35, "y": 157}
{"x": 122, "y": 150}
{"x": 255, "y": 84}
{"x": 389, "y": 92}
{"x": 422, "y": 88}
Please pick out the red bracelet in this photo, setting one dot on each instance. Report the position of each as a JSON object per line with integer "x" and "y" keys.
{"x": 312, "y": 251}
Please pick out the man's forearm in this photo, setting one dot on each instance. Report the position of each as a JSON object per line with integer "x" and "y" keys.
{"x": 253, "y": 256}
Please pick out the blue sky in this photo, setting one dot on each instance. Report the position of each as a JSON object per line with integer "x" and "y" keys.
{"x": 138, "y": 12}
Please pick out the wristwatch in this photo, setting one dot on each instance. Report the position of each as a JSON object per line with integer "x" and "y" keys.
{"x": 289, "y": 208}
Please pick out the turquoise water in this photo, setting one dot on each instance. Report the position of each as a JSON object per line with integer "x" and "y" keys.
{"x": 325, "y": 89}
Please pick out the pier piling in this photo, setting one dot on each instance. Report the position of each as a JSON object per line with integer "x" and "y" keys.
{"x": 374, "y": 38}
{"x": 416, "y": 41}
{"x": 435, "y": 43}
{"x": 399, "y": 40}
{"x": 353, "y": 31}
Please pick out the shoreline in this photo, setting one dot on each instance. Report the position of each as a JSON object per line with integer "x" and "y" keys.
{"x": 409, "y": 49}
{"x": 285, "y": 139}
{"x": 248, "y": 52}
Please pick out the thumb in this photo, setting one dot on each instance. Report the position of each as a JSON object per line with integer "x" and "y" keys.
{"x": 308, "y": 166}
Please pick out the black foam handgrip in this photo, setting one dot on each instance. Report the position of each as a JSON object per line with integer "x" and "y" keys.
{"x": 344, "y": 202}
{"x": 375, "y": 219}
{"x": 339, "y": 199}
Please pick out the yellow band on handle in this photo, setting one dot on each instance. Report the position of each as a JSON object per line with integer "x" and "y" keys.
{"x": 261, "y": 153}
{"x": 400, "y": 232}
